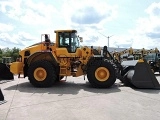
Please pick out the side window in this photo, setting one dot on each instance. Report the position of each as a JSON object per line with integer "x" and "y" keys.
{"x": 73, "y": 45}
{"x": 60, "y": 41}
{"x": 64, "y": 41}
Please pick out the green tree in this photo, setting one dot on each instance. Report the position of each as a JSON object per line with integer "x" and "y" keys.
{"x": 7, "y": 52}
{"x": 0, "y": 55}
{"x": 0, "y": 51}
{"x": 15, "y": 53}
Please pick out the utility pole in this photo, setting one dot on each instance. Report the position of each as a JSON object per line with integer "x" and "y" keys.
{"x": 107, "y": 37}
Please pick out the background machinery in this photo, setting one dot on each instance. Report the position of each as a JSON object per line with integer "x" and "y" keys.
{"x": 127, "y": 54}
{"x": 46, "y": 62}
{"x": 153, "y": 59}
{"x": 4, "y": 68}
{"x": 6, "y": 60}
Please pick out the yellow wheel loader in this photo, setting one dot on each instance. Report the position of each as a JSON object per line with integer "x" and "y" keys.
{"x": 46, "y": 62}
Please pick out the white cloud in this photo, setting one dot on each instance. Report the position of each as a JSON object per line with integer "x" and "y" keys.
{"x": 90, "y": 12}
{"x": 2, "y": 46}
{"x": 154, "y": 9}
{"x": 147, "y": 31}
{"x": 146, "y": 34}
{"x": 6, "y": 27}
{"x": 29, "y": 12}
{"x": 11, "y": 8}
{"x": 88, "y": 17}
{"x": 26, "y": 13}
{"x": 10, "y": 39}
{"x": 21, "y": 39}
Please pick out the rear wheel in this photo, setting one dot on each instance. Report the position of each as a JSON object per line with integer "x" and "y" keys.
{"x": 59, "y": 77}
{"x": 101, "y": 74}
{"x": 42, "y": 74}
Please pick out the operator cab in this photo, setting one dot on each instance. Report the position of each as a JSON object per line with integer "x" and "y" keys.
{"x": 68, "y": 39}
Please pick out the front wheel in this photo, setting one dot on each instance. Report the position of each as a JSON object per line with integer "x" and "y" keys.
{"x": 101, "y": 74}
{"x": 42, "y": 74}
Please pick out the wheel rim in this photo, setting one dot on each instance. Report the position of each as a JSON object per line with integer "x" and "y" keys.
{"x": 102, "y": 74}
{"x": 40, "y": 74}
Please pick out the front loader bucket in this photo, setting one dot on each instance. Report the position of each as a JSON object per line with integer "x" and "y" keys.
{"x": 1, "y": 96}
{"x": 141, "y": 76}
{"x": 5, "y": 73}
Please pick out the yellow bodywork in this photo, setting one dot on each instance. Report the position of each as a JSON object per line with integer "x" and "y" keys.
{"x": 16, "y": 67}
{"x": 102, "y": 74}
{"x": 61, "y": 56}
{"x": 140, "y": 60}
{"x": 40, "y": 74}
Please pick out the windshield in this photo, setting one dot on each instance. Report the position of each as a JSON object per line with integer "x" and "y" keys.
{"x": 74, "y": 42}
{"x": 69, "y": 40}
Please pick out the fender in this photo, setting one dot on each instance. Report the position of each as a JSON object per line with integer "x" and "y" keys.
{"x": 45, "y": 55}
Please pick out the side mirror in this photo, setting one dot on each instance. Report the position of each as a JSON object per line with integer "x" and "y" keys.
{"x": 81, "y": 39}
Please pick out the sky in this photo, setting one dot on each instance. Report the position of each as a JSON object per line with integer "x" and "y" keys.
{"x": 127, "y": 23}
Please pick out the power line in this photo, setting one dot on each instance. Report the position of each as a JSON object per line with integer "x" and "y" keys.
{"x": 106, "y": 37}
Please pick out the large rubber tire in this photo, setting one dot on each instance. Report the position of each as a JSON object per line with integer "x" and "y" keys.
{"x": 48, "y": 68}
{"x": 91, "y": 74}
{"x": 58, "y": 76}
